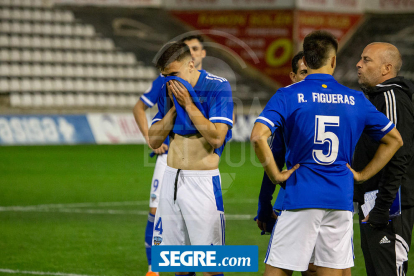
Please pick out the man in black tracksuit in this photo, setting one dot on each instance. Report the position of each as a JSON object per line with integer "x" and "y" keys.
{"x": 385, "y": 243}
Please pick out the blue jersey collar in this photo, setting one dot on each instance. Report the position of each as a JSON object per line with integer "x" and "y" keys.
{"x": 325, "y": 77}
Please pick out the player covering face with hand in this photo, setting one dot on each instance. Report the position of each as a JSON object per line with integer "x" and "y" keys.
{"x": 149, "y": 100}
{"x": 196, "y": 112}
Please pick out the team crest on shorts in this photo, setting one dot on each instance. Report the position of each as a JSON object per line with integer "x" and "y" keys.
{"x": 157, "y": 240}
{"x": 153, "y": 197}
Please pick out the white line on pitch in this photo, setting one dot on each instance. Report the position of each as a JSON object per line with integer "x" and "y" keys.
{"x": 103, "y": 204}
{"x": 101, "y": 211}
{"x": 91, "y": 204}
{"x": 11, "y": 271}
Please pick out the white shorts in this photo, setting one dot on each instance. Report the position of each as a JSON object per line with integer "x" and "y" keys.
{"x": 319, "y": 236}
{"x": 157, "y": 177}
{"x": 191, "y": 209}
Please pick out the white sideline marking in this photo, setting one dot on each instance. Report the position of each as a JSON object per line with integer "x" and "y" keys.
{"x": 97, "y": 211}
{"x": 92, "y": 204}
{"x": 72, "y": 210}
{"x": 106, "y": 204}
{"x": 11, "y": 271}
{"x": 77, "y": 208}
{"x": 63, "y": 208}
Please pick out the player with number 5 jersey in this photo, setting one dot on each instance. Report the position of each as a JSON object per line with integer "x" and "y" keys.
{"x": 321, "y": 121}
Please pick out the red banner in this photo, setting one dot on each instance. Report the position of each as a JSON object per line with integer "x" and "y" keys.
{"x": 338, "y": 24}
{"x": 264, "y": 39}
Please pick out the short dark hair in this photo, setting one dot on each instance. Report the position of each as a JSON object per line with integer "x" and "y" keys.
{"x": 295, "y": 61}
{"x": 316, "y": 48}
{"x": 190, "y": 37}
{"x": 170, "y": 52}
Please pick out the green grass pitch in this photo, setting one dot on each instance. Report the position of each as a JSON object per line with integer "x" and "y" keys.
{"x": 82, "y": 209}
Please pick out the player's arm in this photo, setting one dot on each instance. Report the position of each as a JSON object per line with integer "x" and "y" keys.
{"x": 141, "y": 118}
{"x": 214, "y": 133}
{"x": 162, "y": 124}
{"x": 258, "y": 138}
{"x": 160, "y": 129}
{"x": 142, "y": 122}
{"x": 389, "y": 144}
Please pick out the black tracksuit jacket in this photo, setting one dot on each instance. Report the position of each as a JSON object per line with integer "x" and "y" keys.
{"x": 393, "y": 98}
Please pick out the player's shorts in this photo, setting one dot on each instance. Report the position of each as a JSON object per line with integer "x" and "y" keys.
{"x": 191, "y": 209}
{"x": 157, "y": 177}
{"x": 319, "y": 236}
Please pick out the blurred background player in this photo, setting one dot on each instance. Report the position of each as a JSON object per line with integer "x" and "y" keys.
{"x": 386, "y": 244}
{"x": 197, "y": 114}
{"x": 149, "y": 100}
{"x": 321, "y": 121}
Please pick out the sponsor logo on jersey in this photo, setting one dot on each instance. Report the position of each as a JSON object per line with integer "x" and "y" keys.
{"x": 157, "y": 240}
{"x": 153, "y": 197}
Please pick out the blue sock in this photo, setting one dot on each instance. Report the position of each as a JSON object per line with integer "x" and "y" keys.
{"x": 148, "y": 236}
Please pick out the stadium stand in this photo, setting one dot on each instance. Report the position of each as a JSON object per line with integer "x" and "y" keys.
{"x": 64, "y": 59}
{"x": 49, "y": 60}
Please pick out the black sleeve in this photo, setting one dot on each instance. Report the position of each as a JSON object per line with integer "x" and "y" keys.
{"x": 399, "y": 113}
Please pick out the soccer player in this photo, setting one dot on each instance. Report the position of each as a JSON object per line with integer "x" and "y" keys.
{"x": 385, "y": 244}
{"x": 322, "y": 122}
{"x": 149, "y": 100}
{"x": 196, "y": 113}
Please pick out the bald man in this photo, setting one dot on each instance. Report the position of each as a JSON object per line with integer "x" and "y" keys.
{"x": 386, "y": 241}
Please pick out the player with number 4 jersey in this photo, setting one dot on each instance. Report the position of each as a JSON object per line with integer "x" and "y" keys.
{"x": 321, "y": 122}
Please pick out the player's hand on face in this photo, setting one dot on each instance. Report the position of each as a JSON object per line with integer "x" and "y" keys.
{"x": 161, "y": 150}
{"x": 170, "y": 93}
{"x": 357, "y": 175}
{"x": 284, "y": 175}
{"x": 180, "y": 92}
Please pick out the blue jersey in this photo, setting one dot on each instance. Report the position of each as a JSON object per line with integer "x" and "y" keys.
{"x": 151, "y": 96}
{"x": 321, "y": 122}
{"x": 215, "y": 96}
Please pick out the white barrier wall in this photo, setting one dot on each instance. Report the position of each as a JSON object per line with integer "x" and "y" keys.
{"x": 94, "y": 128}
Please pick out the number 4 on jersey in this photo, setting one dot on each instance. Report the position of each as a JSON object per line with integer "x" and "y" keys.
{"x": 158, "y": 226}
{"x": 322, "y": 137}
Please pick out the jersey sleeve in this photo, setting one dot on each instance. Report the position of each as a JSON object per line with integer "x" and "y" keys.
{"x": 163, "y": 102}
{"x": 221, "y": 109}
{"x": 377, "y": 125}
{"x": 150, "y": 97}
{"x": 274, "y": 112}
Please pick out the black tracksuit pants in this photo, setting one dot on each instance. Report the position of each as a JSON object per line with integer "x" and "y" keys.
{"x": 385, "y": 250}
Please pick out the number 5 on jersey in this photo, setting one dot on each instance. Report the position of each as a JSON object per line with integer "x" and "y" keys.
{"x": 322, "y": 137}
